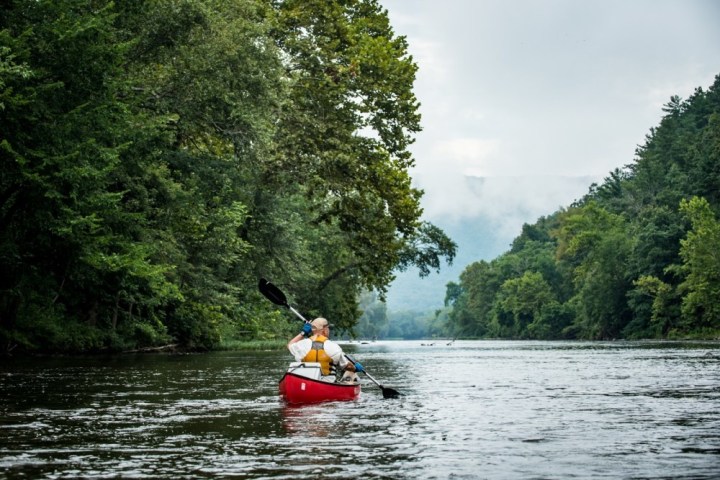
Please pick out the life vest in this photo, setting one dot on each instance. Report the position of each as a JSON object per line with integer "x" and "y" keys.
{"x": 317, "y": 354}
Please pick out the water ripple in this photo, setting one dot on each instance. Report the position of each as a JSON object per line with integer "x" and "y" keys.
{"x": 469, "y": 410}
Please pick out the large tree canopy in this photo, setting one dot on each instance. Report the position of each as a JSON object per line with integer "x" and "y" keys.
{"x": 158, "y": 157}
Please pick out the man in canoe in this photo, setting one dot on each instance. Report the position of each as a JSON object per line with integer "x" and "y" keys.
{"x": 314, "y": 345}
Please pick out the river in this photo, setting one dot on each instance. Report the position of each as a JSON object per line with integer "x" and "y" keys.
{"x": 469, "y": 410}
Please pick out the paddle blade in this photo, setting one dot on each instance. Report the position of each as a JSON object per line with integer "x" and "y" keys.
{"x": 390, "y": 392}
{"x": 273, "y": 293}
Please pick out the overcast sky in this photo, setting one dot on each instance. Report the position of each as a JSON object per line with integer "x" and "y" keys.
{"x": 544, "y": 88}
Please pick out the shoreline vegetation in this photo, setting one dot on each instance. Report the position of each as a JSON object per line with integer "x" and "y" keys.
{"x": 279, "y": 345}
{"x": 634, "y": 258}
{"x": 157, "y": 159}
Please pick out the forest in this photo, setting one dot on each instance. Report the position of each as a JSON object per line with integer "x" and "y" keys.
{"x": 158, "y": 158}
{"x": 637, "y": 257}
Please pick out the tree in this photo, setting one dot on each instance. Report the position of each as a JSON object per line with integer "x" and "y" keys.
{"x": 159, "y": 157}
{"x": 522, "y": 299}
{"x": 663, "y": 315}
{"x": 700, "y": 252}
{"x": 72, "y": 244}
{"x": 344, "y": 135}
{"x": 374, "y": 321}
{"x": 596, "y": 245}
{"x": 471, "y": 314}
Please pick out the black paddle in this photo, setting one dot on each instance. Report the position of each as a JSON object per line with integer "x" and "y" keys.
{"x": 275, "y": 295}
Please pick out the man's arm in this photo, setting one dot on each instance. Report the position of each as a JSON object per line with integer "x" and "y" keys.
{"x": 304, "y": 333}
{"x": 295, "y": 339}
{"x": 299, "y": 349}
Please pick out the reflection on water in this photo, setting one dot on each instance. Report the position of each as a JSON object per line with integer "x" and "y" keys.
{"x": 298, "y": 418}
{"x": 469, "y": 410}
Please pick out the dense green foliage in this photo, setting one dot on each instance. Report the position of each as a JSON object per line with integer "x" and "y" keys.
{"x": 637, "y": 257}
{"x": 157, "y": 158}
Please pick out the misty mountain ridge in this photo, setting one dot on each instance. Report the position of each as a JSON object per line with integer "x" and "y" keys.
{"x": 484, "y": 222}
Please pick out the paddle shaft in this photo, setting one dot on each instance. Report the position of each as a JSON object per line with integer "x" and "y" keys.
{"x": 386, "y": 391}
{"x": 297, "y": 313}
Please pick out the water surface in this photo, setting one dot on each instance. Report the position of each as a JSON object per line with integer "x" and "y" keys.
{"x": 472, "y": 409}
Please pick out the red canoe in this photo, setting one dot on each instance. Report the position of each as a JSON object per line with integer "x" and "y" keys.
{"x": 297, "y": 386}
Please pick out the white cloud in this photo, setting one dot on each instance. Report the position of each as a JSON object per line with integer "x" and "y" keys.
{"x": 466, "y": 156}
{"x": 545, "y": 88}
{"x": 429, "y": 55}
{"x": 444, "y": 179}
{"x": 542, "y": 97}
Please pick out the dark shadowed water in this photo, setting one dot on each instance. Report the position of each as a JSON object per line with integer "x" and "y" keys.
{"x": 480, "y": 409}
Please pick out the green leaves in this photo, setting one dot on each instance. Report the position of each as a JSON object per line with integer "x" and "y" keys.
{"x": 342, "y": 141}
{"x": 700, "y": 252}
{"x": 158, "y": 157}
{"x": 637, "y": 257}
{"x": 522, "y": 299}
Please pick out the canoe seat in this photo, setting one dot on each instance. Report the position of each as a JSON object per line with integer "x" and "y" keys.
{"x": 306, "y": 369}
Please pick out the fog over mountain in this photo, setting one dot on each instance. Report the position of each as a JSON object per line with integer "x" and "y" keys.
{"x": 484, "y": 225}
{"x": 536, "y": 90}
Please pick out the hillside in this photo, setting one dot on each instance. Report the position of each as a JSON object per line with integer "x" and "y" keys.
{"x": 501, "y": 206}
{"x": 634, "y": 258}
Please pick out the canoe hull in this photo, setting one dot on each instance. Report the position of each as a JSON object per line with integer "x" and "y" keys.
{"x": 300, "y": 389}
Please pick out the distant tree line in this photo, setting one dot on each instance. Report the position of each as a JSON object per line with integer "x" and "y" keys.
{"x": 377, "y": 322}
{"x": 637, "y": 257}
{"x": 157, "y": 158}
